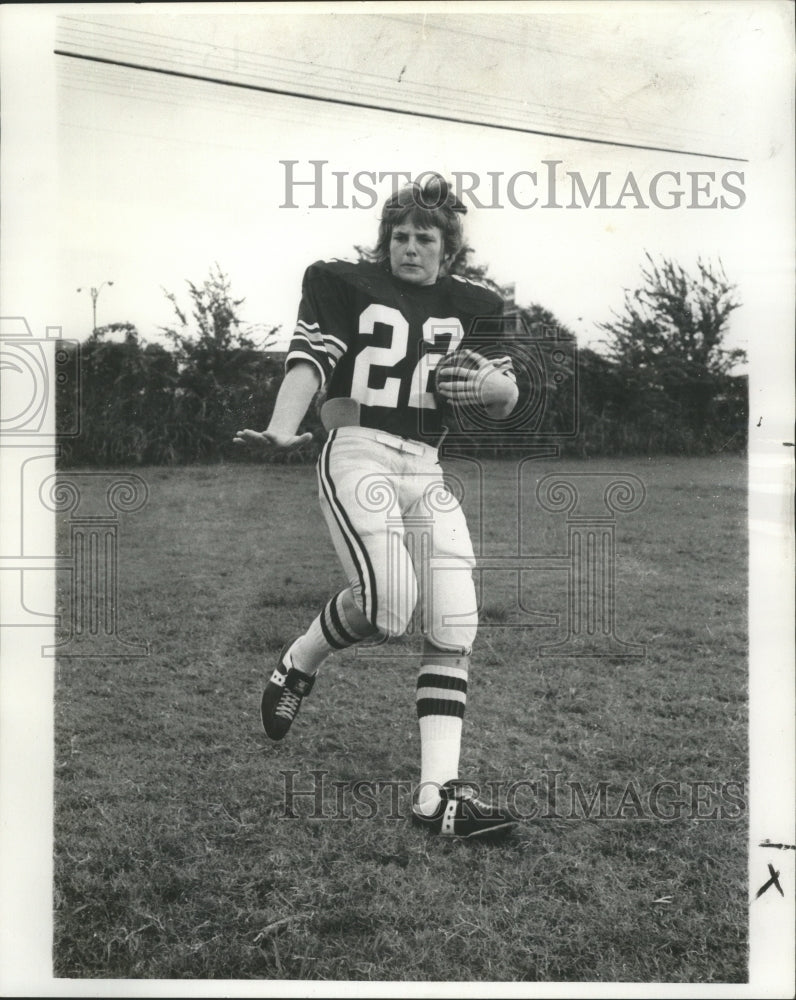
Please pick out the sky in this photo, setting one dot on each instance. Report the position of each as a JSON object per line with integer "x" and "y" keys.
{"x": 157, "y": 178}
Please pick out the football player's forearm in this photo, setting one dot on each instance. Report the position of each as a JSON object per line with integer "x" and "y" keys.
{"x": 299, "y": 385}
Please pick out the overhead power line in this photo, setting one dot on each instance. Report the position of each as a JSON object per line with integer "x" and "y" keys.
{"x": 282, "y": 68}
{"x": 126, "y": 44}
{"x": 347, "y": 102}
{"x": 287, "y": 71}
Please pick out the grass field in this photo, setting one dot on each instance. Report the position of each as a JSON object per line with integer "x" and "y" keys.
{"x": 174, "y": 857}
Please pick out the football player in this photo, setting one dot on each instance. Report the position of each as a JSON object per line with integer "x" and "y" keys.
{"x": 372, "y": 334}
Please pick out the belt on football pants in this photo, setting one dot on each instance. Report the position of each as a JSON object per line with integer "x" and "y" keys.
{"x": 343, "y": 412}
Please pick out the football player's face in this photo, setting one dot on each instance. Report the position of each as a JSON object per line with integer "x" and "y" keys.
{"x": 416, "y": 254}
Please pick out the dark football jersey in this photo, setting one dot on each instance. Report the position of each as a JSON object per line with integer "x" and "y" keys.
{"x": 378, "y": 339}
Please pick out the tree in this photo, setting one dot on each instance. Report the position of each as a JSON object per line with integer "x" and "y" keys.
{"x": 675, "y": 317}
{"x": 220, "y": 366}
{"x": 126, "y": 400}
{"x": 216, "y": 314}
{"x": 668, "y": 346}
{"x": 128, "y": 331}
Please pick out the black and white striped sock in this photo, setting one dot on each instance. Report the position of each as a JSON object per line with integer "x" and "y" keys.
{"x": 441, "y": 699}
{"x": 338, "y": 626}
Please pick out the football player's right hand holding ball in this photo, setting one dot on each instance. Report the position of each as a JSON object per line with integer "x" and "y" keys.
{"x": 467, "y": 378}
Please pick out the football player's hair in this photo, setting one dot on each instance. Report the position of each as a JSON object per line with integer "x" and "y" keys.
{"x": 432, "y": 205}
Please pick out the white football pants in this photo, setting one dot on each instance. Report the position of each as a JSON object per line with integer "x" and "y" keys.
{"x": 400, "y": 535}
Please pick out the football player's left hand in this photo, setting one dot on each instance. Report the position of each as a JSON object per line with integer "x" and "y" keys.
{"x": 269, "y": 437}
{"x": 465, "y": 378}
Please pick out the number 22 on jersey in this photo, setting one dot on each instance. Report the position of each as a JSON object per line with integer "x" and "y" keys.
{"x": 442, "y": 336}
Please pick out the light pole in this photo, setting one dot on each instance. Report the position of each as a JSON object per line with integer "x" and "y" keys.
{"x": 94, "y": 292}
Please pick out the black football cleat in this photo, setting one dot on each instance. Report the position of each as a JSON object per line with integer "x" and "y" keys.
{"x": 282, "y": 698}
{"x": 462, "y": 815}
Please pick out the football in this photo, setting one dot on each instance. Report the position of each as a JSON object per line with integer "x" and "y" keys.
{"x": 466, "y": 378}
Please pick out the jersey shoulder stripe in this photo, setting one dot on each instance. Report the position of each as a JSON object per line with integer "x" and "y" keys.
{"x": 311, "y": 332}
{"x": 323, "y": 328}
{"x": 334, "y": 345}
{"x": 315, "y": 344}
